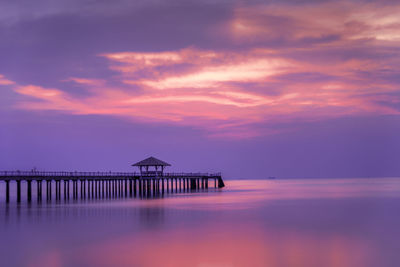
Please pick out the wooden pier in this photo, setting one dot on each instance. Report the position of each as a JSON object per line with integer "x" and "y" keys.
{"x": 100, "y": 185}
{"x": 96, "y": 185}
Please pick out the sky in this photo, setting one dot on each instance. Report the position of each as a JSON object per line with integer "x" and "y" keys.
{"x": 251, "y": 89}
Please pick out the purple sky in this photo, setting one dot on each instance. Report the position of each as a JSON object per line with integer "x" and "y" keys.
{"x": 252, "y": 89}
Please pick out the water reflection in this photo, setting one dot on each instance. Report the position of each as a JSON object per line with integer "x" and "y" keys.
{"x": 219, "y": 247}
{"x": 249, "y": 223}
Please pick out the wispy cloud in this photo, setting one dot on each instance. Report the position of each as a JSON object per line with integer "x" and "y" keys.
{"x": 4, "y": 81}
{"x": 85, "y": 81}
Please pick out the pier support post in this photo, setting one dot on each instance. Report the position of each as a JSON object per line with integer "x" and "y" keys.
{"x": 96, "y": 189}
{"x": 39, "y": 190}
{"x": 126, "y": 187}
{"x": 18, "y": 191}
{"x": 92, "y": 188}
{"x": 48, "y": 189}
{"x": 77, "y": 188}
{"x": 82, "y": 188}
{"x": 167, "y": 185}
{"x": 57, "y": 193}
{"x": 113, "y": 188}
{"x": 59, "y": 189}
{"x": 65, "y": 189}
{"x": 89, "y": 189}
{"x": 220, "y": 182}
{"x": 99, "y": 188}
{"x": 119, "y": 187}
{"x": 29, "y": 190}
{"x": 109, "y": 183}
{"x": 102, "y": 188}
{"x": 134, "y": 187}
{"x": 7, "y": 191}
{"x": 148, "y": 187}
{"x": 73, "y": 189}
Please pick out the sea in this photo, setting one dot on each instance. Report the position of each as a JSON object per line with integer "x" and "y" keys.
{"x": 352, "y": 222}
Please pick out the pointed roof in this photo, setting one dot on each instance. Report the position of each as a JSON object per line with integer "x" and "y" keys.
{"x": 151, "y": 161}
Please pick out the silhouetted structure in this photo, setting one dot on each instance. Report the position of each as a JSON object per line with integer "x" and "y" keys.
{"x": 95, "y": 185}
{"x": 158, "y": 165}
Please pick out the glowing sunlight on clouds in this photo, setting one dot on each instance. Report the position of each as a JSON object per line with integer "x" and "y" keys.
{"x": 310, "y": 63}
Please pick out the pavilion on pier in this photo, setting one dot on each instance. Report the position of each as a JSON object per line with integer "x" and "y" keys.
{"x": 151, "y": 167}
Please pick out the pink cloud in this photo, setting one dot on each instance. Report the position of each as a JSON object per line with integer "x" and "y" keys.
{"x": 351, "y": 21}
{"x": 227, "y": 92}
{"x": 214, "y": 96}
{"x": 84, "y": 81}
{"x": 4, "y": 81}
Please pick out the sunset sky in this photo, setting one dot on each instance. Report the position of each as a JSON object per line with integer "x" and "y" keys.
{"x": 250, "y": 88}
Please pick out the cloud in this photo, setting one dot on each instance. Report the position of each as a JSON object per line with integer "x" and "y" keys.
{"x": 4, "y": 81}
{"x": 216, "y": 93}
{"x": 84, "y": 81}
{"x": 315, "y": 24}
{"x": 311, "y": 62}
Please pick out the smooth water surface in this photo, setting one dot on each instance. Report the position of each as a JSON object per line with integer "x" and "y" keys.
{"x": 307, "y": 222}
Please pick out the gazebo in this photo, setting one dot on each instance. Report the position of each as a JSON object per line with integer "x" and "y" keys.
{"x": 156, "y": 164}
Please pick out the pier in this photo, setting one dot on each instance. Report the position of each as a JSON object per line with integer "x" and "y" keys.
{"x": 100, "y": 185}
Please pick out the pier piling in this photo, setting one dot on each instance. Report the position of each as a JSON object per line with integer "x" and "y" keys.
{"x": 29, "y": 190}
{"x": 7, "y": 191}
{"x": 18, "y": 191}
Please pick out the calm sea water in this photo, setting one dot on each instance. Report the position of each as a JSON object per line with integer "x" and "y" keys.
{"x": 307, "y": 222}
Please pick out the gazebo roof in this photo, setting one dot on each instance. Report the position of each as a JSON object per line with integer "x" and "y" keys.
{"x": 151, "y": 161}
